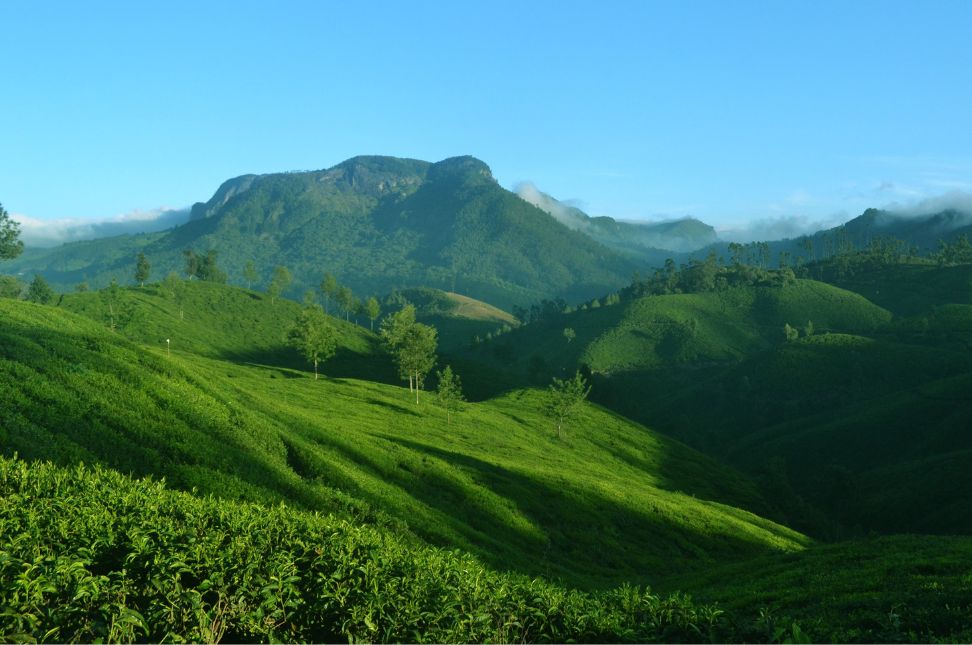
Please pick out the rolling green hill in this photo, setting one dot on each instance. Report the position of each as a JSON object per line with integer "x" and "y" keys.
{"x": 846, "y": 432}
{"x": 378, "y": 224}
{"x": 459, "y": 319}
{"x": 496, "y": 482}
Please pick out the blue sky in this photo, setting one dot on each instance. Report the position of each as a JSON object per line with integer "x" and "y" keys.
{"x": 779, "y": 112}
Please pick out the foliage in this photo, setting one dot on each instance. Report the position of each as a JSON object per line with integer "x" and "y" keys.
{"x": 313, "y": 336}
{"x": 411, "y": 344}
{"x": 89, "y": 555}
{"x": 11, "y": 287}
{"x": 564, "y": 398}
{"x": 372, "y": 309}
{"x": 39, "y": 291}
{"x": 10, "y": 246}
{"x": 449, "y": 392}
{"x": 208, "y": 270}
{"x": 142, "y": 269}
{"x": 279, "y": 282}
{"x": 250, "y": 273}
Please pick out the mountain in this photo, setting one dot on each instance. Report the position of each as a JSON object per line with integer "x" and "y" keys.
{"x": 378, "y": 224}
{"x": 650, "y": 241}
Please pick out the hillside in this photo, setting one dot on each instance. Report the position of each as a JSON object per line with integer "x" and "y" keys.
{"x": 496, "y": 482}
{"x": 848, "y": 429}
{"x": 378, "y": 224}
{"x": 459, "y": 319}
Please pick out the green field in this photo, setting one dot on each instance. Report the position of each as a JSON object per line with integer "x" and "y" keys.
{"x": 360, "y": 490}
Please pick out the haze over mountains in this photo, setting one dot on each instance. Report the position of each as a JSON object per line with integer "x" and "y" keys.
{"x": 385, "y": 223}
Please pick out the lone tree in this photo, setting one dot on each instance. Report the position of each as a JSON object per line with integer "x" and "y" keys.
{"x": 10, "y": 245}
{"x": 142, "y": 269}
{"x": 449, "y": 393}
{"x": 329, "y": 287}
{"x": 563, "y": 398}
{"x": 250, "y": 273}
{"x": 279, "y": 283}
{"x": 372, "y": 310}
{"x": 411, "y": 344}
{"x": 313, "y": 336}
{"x": 39, "y": 291}
{"x": 569, "y": 334}
{"x": 192, "y": 263}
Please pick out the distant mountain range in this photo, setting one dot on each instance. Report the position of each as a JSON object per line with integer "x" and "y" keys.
{"x": 384, "y": 223}
{"x": 378, "y": 224}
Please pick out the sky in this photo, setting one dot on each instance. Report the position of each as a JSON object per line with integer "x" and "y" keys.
{"x": 761, "y": 115}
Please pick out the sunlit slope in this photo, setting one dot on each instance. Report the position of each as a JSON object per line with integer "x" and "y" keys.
{"x": 910, "y": 589}
{"x": 223, "y": 322}
{"x": 458, "y": 318}
{"x": 613, "y": 501}
{"x": 683, "y": 329}
{"x": 91, "y": 556}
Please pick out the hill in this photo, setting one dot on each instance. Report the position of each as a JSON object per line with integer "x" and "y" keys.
{"x": 651, "y": 241}
{"x": 459, "y": 319}
{"x": 378, "y": 224}
{"x": 497, "y": 482}
{"x": 848, "y": 426}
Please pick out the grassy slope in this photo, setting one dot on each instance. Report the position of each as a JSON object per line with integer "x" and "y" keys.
{"x": 912, "y": 289}
{"x": 687, "y": 329}
{"x": 457, "y": 318}
{"x": 496, "y": 481}
{"x": 892, "y": 589}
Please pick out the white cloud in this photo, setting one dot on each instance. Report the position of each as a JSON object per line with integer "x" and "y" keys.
{"x": 43, "y": 233}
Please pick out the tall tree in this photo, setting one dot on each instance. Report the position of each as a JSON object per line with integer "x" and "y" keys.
{"x": 10, "y": 244}
{"x": 563, "y": 398}
{"x": 372, "y": 310}
{"x": 449, "y": 393}
{"x": 329, "y": 287}
{"x": 142, "y": 269}
{"x": 411, "y": 344}
{"x": 250, "y": 274}
{"x": 313, "y": 336}
{"x": 345, "y": 300}
{"x": 209, "y": 270}
{"x": 39, "y": 291}
{"x": 278, "y": 283}
{"x": 192, "y": 263}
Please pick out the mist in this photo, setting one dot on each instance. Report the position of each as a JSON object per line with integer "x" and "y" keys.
{"x": 565, "y": 214}
{"x": 777, "y": 228}
{"x": 48, "y": 233}
{"x": 955, "y": 200}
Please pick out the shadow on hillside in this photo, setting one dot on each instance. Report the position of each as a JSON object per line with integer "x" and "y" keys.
{"x": 344, "y": 364}
{"x": 587, "y": 539}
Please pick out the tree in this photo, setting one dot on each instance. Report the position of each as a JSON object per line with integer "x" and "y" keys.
{"x": 790, "y": 333}
{"x": 81, "y": 287}
{"x": 10, "y": 245}
{"x": 569, "y": 334}
{"x": 449, "y": 393}
{"x": 372, "y": 310}
{"x": 192, "y": 263}
{"x": 10, "y": 287}
{"x": 39, "y": 291}
{"x": 411, "y": 344}
{"x": 110, "y": 296}
{"x": 345, "y": 300}
{"x": 173, "y": 287}
{"x": 563, "y": 398}
{"x": 250, "y": 273}
{"x": 279, "y": 283}
{"x": 142, "y": 269}
{"x": 313, "y": 336}
{"x": 329, "y": 287}
{"x": 208, "y": 270}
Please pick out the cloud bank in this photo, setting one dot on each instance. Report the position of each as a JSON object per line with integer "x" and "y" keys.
{"x": 47, "y": 233}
